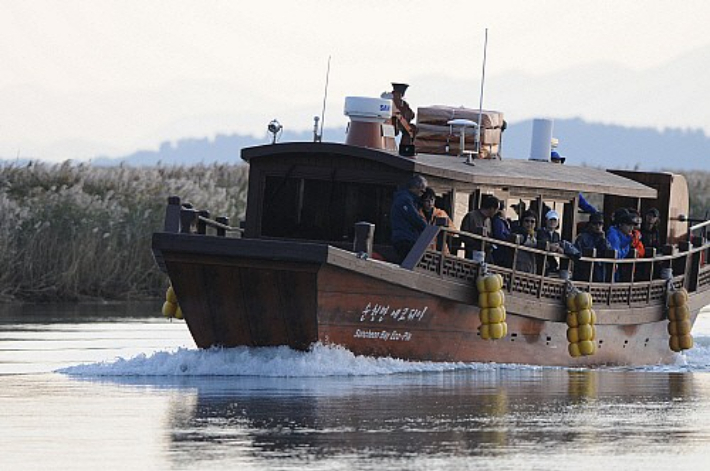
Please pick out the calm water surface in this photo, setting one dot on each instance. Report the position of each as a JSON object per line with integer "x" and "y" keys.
{"x": 110, "y": 387}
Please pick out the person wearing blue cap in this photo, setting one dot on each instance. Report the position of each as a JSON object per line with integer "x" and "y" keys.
{"x": 556, "y": 158}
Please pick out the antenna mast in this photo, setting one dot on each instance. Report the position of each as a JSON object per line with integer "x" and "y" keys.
{"x": 318, "y": 136}
{"x": 480, "y": 103}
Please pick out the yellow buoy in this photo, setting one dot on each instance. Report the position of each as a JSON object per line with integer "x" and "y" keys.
{"x": 584, "y": 316}
{"x": 573, "y": 350}
{"x": 679, "y": 313}
{"x": 587, "y": 347}
{"x": 585, "y": 332}
{"x": 169, "y": 309}
{"x": 492, "y": 283}
{"x": 496, "y": 298}
{"x": 485, "y": 315}
{"x": 674, "y": 343}
{"x": 496, "y": 331}
{"x": 683, "y": 327}
{"x": 571, "y": 305}
{"x": 573, "y": 334}
{"x": 679, "y": 297}
{"x": 572, "y": 319}
{"x": 178, "y": 313}
{"x": 583, "y": 300}
{"x": 594, "y": 316}
{"x": 480, "y": 285}
{"x": 170, "y": 295}
{"x": 496, "y": 315}
{"x": 685, "y": 342}
{"x": 485, "y": 331}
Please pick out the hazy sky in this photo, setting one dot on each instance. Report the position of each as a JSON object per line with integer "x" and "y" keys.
{"x": 86, "y": 78}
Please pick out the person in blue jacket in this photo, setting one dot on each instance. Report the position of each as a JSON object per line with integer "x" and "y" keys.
{"x": 619, "y": 236}
{"x": 592, "y": 238}
{"x": 406, "y": 220}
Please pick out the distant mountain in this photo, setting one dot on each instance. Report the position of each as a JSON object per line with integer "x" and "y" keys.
{"x": 223, "y": 148}
{"x": 594, "y": 144}
{"x": 613, "y": 146}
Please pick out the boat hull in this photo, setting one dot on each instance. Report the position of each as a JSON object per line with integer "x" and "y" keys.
{"x": 264, "y": 293}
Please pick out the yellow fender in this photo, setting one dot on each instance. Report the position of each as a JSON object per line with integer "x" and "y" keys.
{"x": 581, "y": 331}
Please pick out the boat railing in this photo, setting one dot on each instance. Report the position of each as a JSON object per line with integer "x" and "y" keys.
{"x": 699, "y": 230}
{"x": 183, "y": 218}
{"x": 450, "y": 253}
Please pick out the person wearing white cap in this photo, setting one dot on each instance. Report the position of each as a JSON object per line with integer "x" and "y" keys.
{"x": 548, "y": 233}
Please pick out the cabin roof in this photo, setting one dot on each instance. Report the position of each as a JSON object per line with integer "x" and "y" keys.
{"x": 506, "y": 172}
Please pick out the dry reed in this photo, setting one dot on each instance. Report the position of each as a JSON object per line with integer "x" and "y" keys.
{"x": 73, "y": 231}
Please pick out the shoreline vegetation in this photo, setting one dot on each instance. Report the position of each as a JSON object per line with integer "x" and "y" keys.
{"x": 77, "y": 232}
{"x": 74, "y": 232}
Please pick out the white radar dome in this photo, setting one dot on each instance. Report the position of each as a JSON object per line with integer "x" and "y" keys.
{"x": 360, "y": 108}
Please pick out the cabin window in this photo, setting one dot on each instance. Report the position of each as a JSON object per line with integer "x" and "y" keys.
{"x": 301, "y": 208}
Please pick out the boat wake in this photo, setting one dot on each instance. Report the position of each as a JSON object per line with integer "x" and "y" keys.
{"x": 320, "y": 361}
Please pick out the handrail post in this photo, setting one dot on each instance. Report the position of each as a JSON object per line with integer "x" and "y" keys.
{"x": 221, "y": 231}
{"x": 541, "y": 271}
{"x": 518, "y": 239}
{"x": 364, "y": 236}
{"x": 172, "y": 215}
{"x": 591, "y": 253}
{"x": 440, "y": 243}
{"x": 692, "y": 271}
{"x": 651, "y": 255}
{"x": 441, "y": 223}
{"x": 201, "y": 224}
{"x": 187, "y": 217}
{"x": 612, "y": 277}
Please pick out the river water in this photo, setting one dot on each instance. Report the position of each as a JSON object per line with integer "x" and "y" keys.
{"x": 115, "y": 387}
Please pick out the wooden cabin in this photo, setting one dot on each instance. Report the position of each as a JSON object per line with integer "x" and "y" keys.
{"x": 318, "y": 191}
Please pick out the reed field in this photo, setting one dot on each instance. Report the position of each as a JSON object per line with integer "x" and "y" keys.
{"x": 72, "y": 232}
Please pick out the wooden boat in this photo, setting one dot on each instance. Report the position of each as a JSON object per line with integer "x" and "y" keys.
{"x": 303, "y": 271}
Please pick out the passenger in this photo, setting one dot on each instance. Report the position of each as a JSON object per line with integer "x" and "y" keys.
{"x": 619, "y": 237}
{"x": 500, "y": 226}
{"x": 519, "y": 209}
{"x": 539, "y": 214}
{"x": 501, "y": 231}
{"x": 636, "y": 233}
{"x": 480, "y": 218}
{"x": 618, "y": 214}
{"x": 548, "y": 233}
{"x": 650, "y": 232}
{"x": 405, "y": 218}
{"x": 430, "y": 212}
{"x": 526, "y": 261}
{"x": 592, "y": 238}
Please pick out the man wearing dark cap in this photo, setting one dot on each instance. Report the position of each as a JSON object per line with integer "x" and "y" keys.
{"x": 619, "y": 235}
{"x": 650, "y": 233}
{"x": 592, "y": 238}
{"x": 406, "y": 221}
